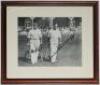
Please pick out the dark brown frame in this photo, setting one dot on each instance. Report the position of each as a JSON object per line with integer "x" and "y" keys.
{"x": 4, "y": 4}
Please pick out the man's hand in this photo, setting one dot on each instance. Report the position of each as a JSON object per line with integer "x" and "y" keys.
{"x": 60, "y": 42}
{"x": 40, "y": 41}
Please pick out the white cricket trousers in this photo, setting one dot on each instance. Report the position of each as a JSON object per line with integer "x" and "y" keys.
{"x": 53, "y": 47}
{"x": 34, "y": 50}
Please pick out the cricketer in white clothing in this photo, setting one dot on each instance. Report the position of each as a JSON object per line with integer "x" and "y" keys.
{"x": 35, "y": 41}
{"x": 55, "y": 39}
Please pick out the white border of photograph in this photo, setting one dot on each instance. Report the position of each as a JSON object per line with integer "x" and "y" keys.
{"x": 84, "y": 71}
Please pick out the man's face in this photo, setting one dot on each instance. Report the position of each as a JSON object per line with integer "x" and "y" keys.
{"x": 55, "y": 27}
{"x": 35, "y": 26}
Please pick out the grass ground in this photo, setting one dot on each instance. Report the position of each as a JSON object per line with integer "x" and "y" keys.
{"x": 69, "y": 55}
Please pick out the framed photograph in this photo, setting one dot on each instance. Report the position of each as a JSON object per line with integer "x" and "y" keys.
{"x": 49, "y": 42}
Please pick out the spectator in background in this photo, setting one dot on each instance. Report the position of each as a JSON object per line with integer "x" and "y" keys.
{"x": 28, "y": 27}
{"x": 45, "y": 47}
{"x": 65, "y": 32}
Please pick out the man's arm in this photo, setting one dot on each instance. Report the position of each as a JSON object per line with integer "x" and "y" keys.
{"x": 40, "y": 35}
{"x": 28, "y": 38}
{"x": 60, "y": 41}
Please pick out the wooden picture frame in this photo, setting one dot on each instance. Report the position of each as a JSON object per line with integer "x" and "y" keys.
{"x": 5, "y": 4}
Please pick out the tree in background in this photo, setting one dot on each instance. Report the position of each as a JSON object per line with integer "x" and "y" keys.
{"x": 47, "y": 22}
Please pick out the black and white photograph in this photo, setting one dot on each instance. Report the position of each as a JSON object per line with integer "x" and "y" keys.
{"x": 49, "y": 41}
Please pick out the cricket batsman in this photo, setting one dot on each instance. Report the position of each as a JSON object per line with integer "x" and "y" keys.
{"x": 35, "y": 41}
{"x": 55, "y": 40}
